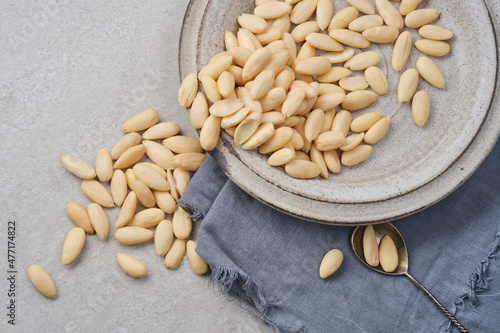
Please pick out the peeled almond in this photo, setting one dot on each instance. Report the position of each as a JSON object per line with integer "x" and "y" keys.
{"x": 143, "y": 120}
{"x": 42, "y": 281}
{"x": 330, "y": 263}
{"x": 131, "y": 266}
{"x": 73, "y": 245}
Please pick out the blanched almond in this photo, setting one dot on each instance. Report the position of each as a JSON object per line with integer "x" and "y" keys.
{"x": 328, "y": 88}
{"x": 370, "y": 246}
{"x": 127, "y": 210}
{"x": 383, "y": 34}
{"x": 234, "y": 119}
{"x": 420, "y": 17}
{"x": 240, "y": 57}
{"x": 182, "y": 144}
{"x": 254, "y": 23}
{"x": 272, "y": 99}
{"x": 278, "y": 140}
{"x": 317, "y": 157}
{"x": 156, "y": 167}
{"x": 151, "y": 177}
{"x": 226, "y": 84}
{"x": 173, "y": 189}
{"x": 420, "y": 107}
{"x": 131, "y": 266}
{"x": 99, "y": 220}
{"x": 300, "y": 155}
{"x": 434, "y": 32}
{"x": 362, "y": 61}
{"x": 144, "y": 120}
{"x": 165, "y": 201}
{"x": 217, "y": 65}
{"x": 199, "y": 111}
{"x": 247, "y": 127}
{"x": 302, "y": 11}
{"x": 358, "y": 100}
{"x": 389, "y": 14}
{"x": 262, "y": 84}
{"x": 408, "y": 6}
{"x": 434, "y": 48}
{"x": 290, "y": 46}
{"x": 281, "y": 157}
{"x": 118, "y": 187}
{"x": 356, "y": 155}
{"x": 140, "y": 188}
{"x": 284, "y": 79}
{"x": 198, "y": 265}
{"x": 339, "y": 57}
{"x": 377, "y": 80}
{"x": 273, "y": 117}
{"x": 430, "y": 72}
{"x": 342, "y": 122}
{"x": 230, "y": 40}
{"x": 292, "y": 101}
{"x": 73, "y": 245}
{"x": 324, "y": 13}
{"x": 329, "y": 101}
{"x": 352, "y": 141}
{"x": 301, "y": 31}
{"x": 256, "y": 62}
{"x": 147, "y": 218}
{"x": 263, "y": 133}
{"x": 313, "y": 66}
{"x": 302, "y": 169}
{"x": 388, "y": 254}
{"x": 334, "y": 74}
{"x": 306, "y": 51}
{"x": 330, "y": 140}
{"x": 127, "y": 141}
{"x": 332, "y": 160}
{"x": 366, "y": 22}
{"x": 97, "y": 193}
{"x": 161, "y": 131}
{"x": 364, "y": 122}
{"x": 282, "y": 23}
{"x": 271, "y": 35}
{"x": 330, "y": 263}
{"x": 363, "y": 6}
{"x": 130, "y": 156}
{"x": 133, "y": 235}
{"x": 350, "y": 38}
{"x": 210, "y": 87}
{"x": 309, "y": 90}
{"x": 354, "y": 83}
{"x": 342, "y": 18}
{"x": 401, "y": 51}
{"x": 42, "y": 281}
{"x": 297, "y": 140}
{"x": 187, "y": 90}
{"x": 182, "y": 179}
{"x": 328, "y": 121}
{"x": 159, "y": 154}
{"x": 79, "y": 216}
{"x": 408, "y": 83}
{"x": 188, "y": 161}
{"x": 324, "y": 42}
{"x": 78, "y": 167}
{"x": 272, "y": 10}
{"x": 164, "y": 236}
{"x": 245, "y": 40}
{"x": 175, "y": 254}
{"x": 377, "y": 131}
{"x": 314, "y": 124}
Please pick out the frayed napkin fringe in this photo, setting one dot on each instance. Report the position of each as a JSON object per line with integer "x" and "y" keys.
{"x": 196, "y": 214}
{"x": 478, "y": 283}
{"x": 236, "y": 284}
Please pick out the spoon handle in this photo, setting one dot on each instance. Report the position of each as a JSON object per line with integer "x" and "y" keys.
{"x": 438, "y": 303}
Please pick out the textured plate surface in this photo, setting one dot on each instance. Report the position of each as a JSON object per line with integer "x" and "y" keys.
{"x": 408, "y": 160}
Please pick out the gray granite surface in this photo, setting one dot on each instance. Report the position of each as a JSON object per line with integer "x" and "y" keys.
{"x": 71, "y": 72}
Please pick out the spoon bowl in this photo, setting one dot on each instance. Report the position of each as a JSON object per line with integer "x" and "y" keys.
{"x": 385, "y": 229}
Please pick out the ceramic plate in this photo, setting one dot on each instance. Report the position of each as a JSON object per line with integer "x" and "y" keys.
{"x": 409, "y": 160}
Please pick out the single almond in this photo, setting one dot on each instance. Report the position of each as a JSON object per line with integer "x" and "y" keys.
{"x": 131, "y": 266}
{"x": 430, "y": 72}
{"x": 370, "y": 246}
{"x": 364, "y": 122}
{"x": 330, "y": 263}
{"x": 175, "y": 254}
{"x": 329, "y": 140}
{"x": 216, "y": 66}
{"x": 273, "y": 117}
{"x": 329, "y": 101}
{"x": 226, "y": 107}
{"x": 161, "y": 130}
{"x": 407, "y": 6}
{"x": 313, "y": 66}
{"x": 247, "y": 127}
{"x": 253, "y": 105}
{"x": 103, "y": 165}
{"x": 272, "y": 10}
{"x": 292, "y": 101}
{"x": 79, "y": 216}
{"x": 240, "y": 57}
{"x": 389, "y": 14}
{"x": 434, "y": 48}
{"x": 97, "y": 193}
{"x": 256, "y": 62}
{"x": 99, "y": 220}
{"x": 182, "y": 144}
{"x": 314, "y": 124}
{"x": 420, "y": 107}
{"x": 408, "y": 83}
{"x": 377, "y": 80}
{"x": 133, "y": 235}
{"x": 324, "y": 13}
{"x": 328, "y": 88}
{"x": 339, "y": 57}
{"x": 317, "y": 157}
{"x": 354, "y": 83}
{"x": 127, "y": 141}
{"x": 350, "y": 38}
{"x": 199, "y": 111}
{"x": 356, "y": 155}
{"x": 73, "y": 245}
{"x": 300, "y": 155}
{"x": 143, "y": 120}
{"x": 262, "y": 84}
{"x": 342, "y": 18}
{"x": 151, "y": 177}
{"x": 377, "y": 131}
{"x": 283, "y": 23}
{"x": 305, "y": 52}
{"x": 352, "y": 141}
{"x": 197, "y": 263}
{"x": 234, "y": 119}
{"x": 271, "y": 35}
{"x": 281, "y": 157}
{"x": 302, "y": 169}
{"x": 164, "y": 236}
{"x": 342, "y": 122}
{"x": 182, "y": 224}
{"x": 159, "y": 154}
{"x": 388, "y": 254}
{"x": 332, "y": 161}
{"x": 165, "y": 201}
{"x": 401, "y": 51}
{"x": 383, "y": 34}
{"x": 334, "y": 74}
{"x": 363, "y": 60}
{"x": 230, "y": 40}
{"x": 254, "y": 23}
{"x": 210, "y": 88}
{"x": 366, "y": 22}
{"x": 42, "y": 281}
{"x": 358, "y": 100}
{"x": 301, "y": 31}
{"x": 324, "y": 42}
{"x": 434, "y": 32}
{"x": 78, "y": 167}
{"x": 188, "y": 90}
{"x": 147, "y": 218}
{"x": 420, "y": 17}
{"x": 127, "y": 210}
{"x": 130, "y": 156}
{"x": 188, "y": 161}
{"x": 209, "y": 134}
{"x": 290, "y": 45}
{"x": 143, "y": 192}
{"x": 261, "y": 135}
{"x": 173, "y": 189}
{"x": 302, "y": 11}
{"x": 182, "y": 179}
{"x": 118, "y": 186}
{"x": 364, "y": 6}
{"x": 297, "y": 140}
{"x": 278, "y": 140}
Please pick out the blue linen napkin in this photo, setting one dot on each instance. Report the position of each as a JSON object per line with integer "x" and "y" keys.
{"x": 271, "y": 260}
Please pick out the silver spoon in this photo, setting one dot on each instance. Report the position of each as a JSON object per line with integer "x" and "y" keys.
{"x": 388, "y": 229}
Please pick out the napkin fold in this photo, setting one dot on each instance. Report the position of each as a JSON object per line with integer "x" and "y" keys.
{"x": 271, "y": 260}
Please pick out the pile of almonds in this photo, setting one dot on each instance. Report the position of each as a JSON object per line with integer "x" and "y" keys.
{"x": 267, "y": 95}
{"x": 155, "y": 184}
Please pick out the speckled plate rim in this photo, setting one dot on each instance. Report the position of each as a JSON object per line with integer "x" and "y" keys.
{"x": 360, "y": 213}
